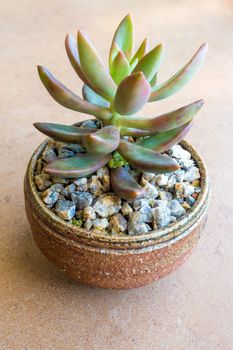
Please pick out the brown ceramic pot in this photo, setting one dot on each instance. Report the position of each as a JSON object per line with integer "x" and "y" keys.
{"x": 114, "y": 262}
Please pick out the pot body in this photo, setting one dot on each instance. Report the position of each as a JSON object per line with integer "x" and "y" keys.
{"x": 114, "y": 262}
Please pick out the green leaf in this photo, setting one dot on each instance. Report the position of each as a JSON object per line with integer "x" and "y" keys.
{"x": 80, "y": 166}
{"x": 94, "y": 68}
{"x": 103, "y": 141}
{"x": 182, "y": 77}
{"x": 133, "y": 65}
{"x": 140, "y": 52}
{"x": 144, "y": 159}
{"x": 123, "y": 38}
{"x": 63, "y": 133}
{"x": 153, "y": 81}
{"x": 150, "y": 63}
{"x": 114, "y": 51}
{"x": 125, "y": 186}
{"x": 133, "y": 132}
{"x": 120, "y": 68}
{"x": 165, "y": 121}
{"x": 132, "y": 94}
{"x": 163, "y": 141}
{"x": 72, "y": 52}
{"x": 93, "y": 97}
{"x": 68, "y": 99}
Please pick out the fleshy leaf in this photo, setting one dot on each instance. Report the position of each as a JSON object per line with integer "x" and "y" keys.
{"x": 103, "y": 141}
{"x": 182, "y": 77}
{"x": 114, "y": 51}
{"x": 162, "y": 141}
{"x": 165, "y": 121}
{"x": 145, "y": 159}
{"x": 94, "y": 68}
{"x": 63, "y": 133}
{"x": 125, "y": 185}
{"x": 153, "y": 81}
{"x": 93, "y": 97}
{"x": 68, "y": 99}
{"x": 133, "y": 65}
{"x": 120, "y": 68}
{"x": 135, "y": 132}
{"x": 123, "y": 38}
{"x": 132, "y": 94}
{"x": 150, "y": 63}
{"x": 140, "y": 52}
{"x": 72, "y": 52}
{"x": 80, "y": 166}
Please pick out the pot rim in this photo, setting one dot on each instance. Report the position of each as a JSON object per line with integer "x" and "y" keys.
{"x": 169, "y": 233}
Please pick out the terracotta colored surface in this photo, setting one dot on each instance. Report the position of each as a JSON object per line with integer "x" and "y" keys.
{"x": 40, "y": 307}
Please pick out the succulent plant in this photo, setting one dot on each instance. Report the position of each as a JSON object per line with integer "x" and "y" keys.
{"x": 114, "y": 96}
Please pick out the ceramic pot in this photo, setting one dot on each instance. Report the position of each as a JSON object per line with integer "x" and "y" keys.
{"x": 114, "y": 262}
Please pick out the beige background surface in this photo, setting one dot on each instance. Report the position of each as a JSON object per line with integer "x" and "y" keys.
{"x": 40, "y": 308}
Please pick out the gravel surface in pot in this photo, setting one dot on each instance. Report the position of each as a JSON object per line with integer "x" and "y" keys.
{"x": 89, "y": 202}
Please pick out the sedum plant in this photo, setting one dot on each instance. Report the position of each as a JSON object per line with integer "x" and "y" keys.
{"x": 115, "y": 96}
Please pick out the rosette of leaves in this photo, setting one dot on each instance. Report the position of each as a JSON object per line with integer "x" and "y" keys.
{"x": 115, "y": 96}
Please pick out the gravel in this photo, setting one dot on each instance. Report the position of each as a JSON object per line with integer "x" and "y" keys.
{"x": 65, "y": 209}
{"x": 82, "y": 199}
{"x": 89, "y": 203}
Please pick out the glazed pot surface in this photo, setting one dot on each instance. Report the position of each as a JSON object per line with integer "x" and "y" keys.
{"x": 119, "y": 261}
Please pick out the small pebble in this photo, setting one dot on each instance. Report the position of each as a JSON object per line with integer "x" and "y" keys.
{"x": 162, "y": 180}
{"x": 195, "y": 195}
{"x": 164, "y": 195}
{"x": 104, "y": 171}
{"x": 49, "y": 196}
{"x": 126, "y": 209}
{"x": 190, "y": 200}
{"x": 65, "y": 209}
{"x": 56, "y": 188}
{"x": 89, "y": 124}
{"x": 100, "y": 224}
{"x": 65, "y": 153}
{"x": 88, "y": 224}
{"x": 79, "y": 214}
{"x": 106, "y": 183}
{"x": 95, "y": 186}
{"x": 186, "y": 206}
{"x": 81, "y": 184}
{"x": 138, "y": 203}
{"x": 60, "y": 180}
{"x": 178, "y": 152}
{"x": 49, "y": 154}
{"x": 136, "y": 224}
{"x": 196, "y": 183}
{"x": 89, "y": 213}
{"x": 68, "y": 190}
{"x": 118, "y": 223}
{"x": 42, "y": 181}
{"x": 107, "y": 205}
{"x": 192, "y": 174}
{"x": 161, "y": 215}
{"x": 186, "y": 163}
{"x": 171, "y": 182}
{"x": 148, "y": 176}
{"x": 150, "y": 190}
{"x": 82, "y": 199}
{"x": 176, "y": 209}
{"x": 146, "y": 211}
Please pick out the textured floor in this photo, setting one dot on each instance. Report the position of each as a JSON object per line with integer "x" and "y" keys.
{"x": 40, "y": 307}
